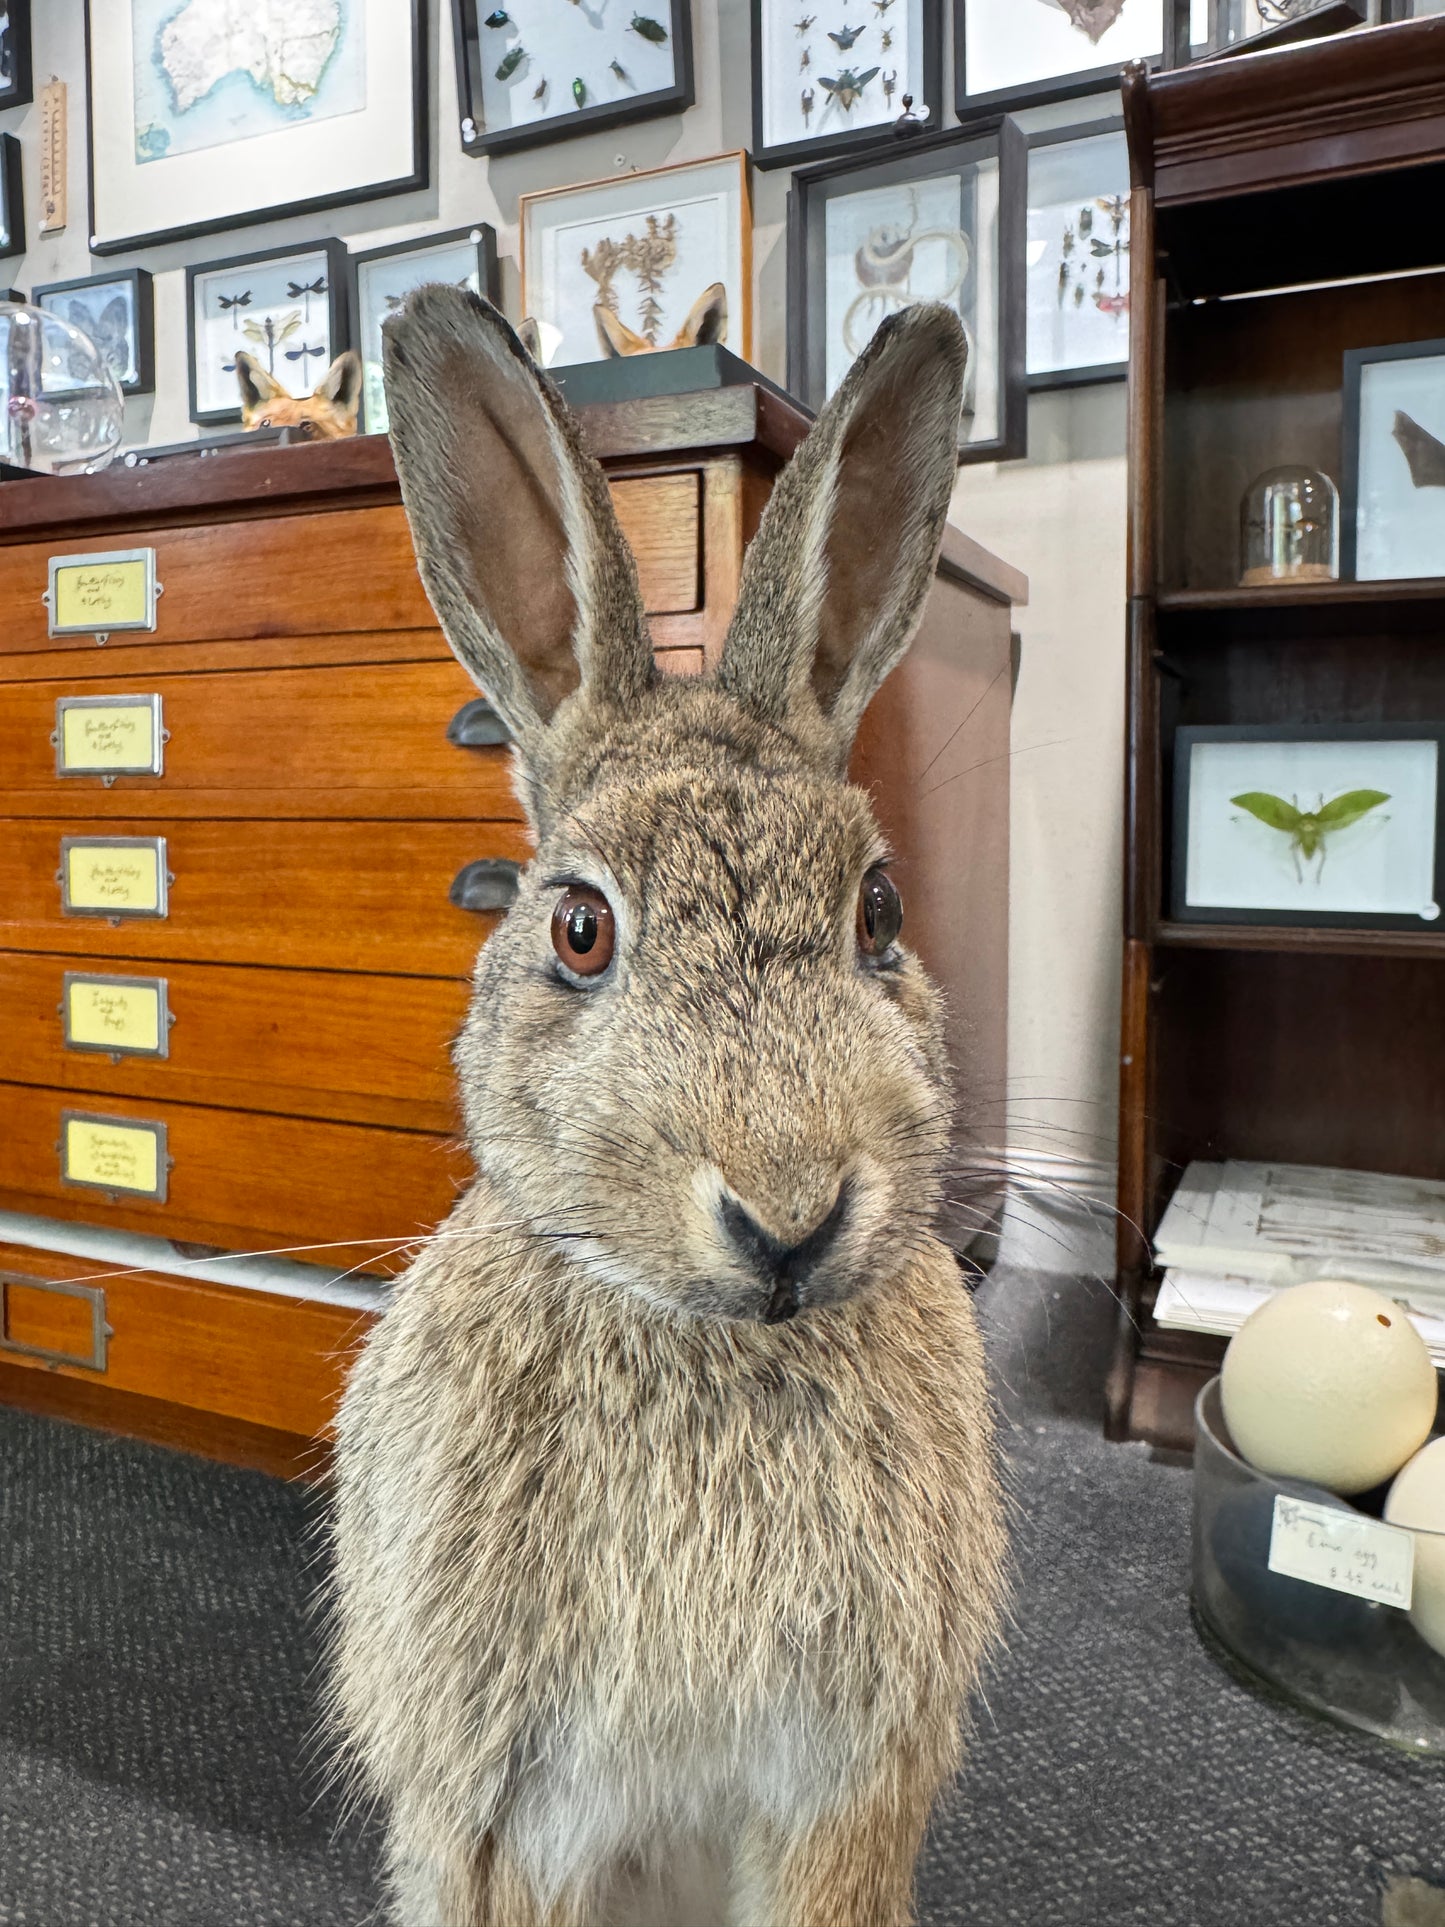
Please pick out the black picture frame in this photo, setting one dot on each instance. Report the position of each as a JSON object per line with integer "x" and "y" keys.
{"x": 418, "y": 176}
{"x": 791, "y": 153}
{"x": 336, "y": 286}
{"x": 142, "y": 308}
{"x": 488, "y": 274}
{"x": 1087, "y": 376}
{"x": 467, "y": 40}
{"x": 1187, "y": 735}
{"x": 1327, "y": 17}
{"x": 1395, "y": 10}
{"x": 1356, "y": 360}
{"x": 12, "y": 198}
{"x": 813, "y": 187}
{"x": 1094, "y": 80}
{"x": 21, "y": 89}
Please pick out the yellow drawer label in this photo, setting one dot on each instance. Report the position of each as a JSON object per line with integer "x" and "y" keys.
{"x": 113, "y": 876}
{"x": 95, "y": 594}
{"x": 108, "y": 735}
{"x": 113, "y": 1154}
{"x": 116, "y": 1014}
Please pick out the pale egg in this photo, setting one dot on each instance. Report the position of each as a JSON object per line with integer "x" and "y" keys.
{"x": 1417, "y": 1498}
{"x": 1328, "y": 1382}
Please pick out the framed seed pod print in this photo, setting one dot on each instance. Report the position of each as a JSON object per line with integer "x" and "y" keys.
{"x": 942, "y": 219}
{"x": 117, "y": 311}
{"x": 1078, "y": 255}
{"x": 382, "y": 278}
{"x": 1018, "y": 53}
{"x": 830, "y": 77}
{"x": 285, "y": 306}
{"x": 530, "y": 71}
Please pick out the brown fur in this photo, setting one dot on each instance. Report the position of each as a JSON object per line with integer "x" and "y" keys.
{"x": 706, "y": 322}
{"x": 652, "y": 1613}
{"x": 327, "y": 414}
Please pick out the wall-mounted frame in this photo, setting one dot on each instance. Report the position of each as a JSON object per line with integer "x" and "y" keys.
{"x": 1392, "y": 10}
{"x": 286, "y": 306}
{"x": 185, "y": 139}
{"x": 16, "y": 82}
{"x": 1078, "y": 255}
{"x": 647, "y": 246}
{"x": 1217, "y": 28}
{"x": 940, "y": 220}
{"x": 1338, "y": 826}
{"x": 542, "y": 70}
{"x": 1392, "y": 470}
{"x": 830, "y": 85}
{"x": 12, "y": 197}
{"x": 117, "y": 311}
{"x": 1023, "y": 53}
{"x": 380, "y": 279}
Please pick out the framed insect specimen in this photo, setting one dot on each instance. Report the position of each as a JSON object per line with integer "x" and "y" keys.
{"x": 1078, "y": 255}
{"x": 12, "y": 197}
{"x": 382, "y": 278}
{"x": 641, "y": 261}
{"x": 1336, "y": 825}
{"x": 1392, "y": 506}
{"x": 830, "y": 77}
{"x": 16, "y": 84}
{"x": 285, "y": 306}
{"x": 942, "y": 219}
{"x": 1017, "y": 53}
{"x": 117, "y": 311}
{"x": 538, "y": 70}
{"x": 209, "y": 114}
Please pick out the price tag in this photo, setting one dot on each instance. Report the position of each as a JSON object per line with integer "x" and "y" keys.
{"x": 1342, "y": 1550}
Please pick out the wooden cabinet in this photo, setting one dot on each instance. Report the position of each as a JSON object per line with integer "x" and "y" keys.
{"x": 327, "y": 774}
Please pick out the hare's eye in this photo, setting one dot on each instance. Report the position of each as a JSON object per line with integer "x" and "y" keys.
{"x": 880, "y": 913}
{"x": 584, "y": 931}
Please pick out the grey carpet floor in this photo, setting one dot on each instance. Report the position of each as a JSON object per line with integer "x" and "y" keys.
{"x": 157, "y": 1694}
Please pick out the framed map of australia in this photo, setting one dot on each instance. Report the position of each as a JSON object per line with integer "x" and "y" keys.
{"x": 209, "y": 114}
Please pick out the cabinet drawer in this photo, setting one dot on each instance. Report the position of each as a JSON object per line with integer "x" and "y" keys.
{"x": 239, "y": 1179}
{"x": 358, "y": 1049}
{"x": 364, "y": 739}
{"x": 277, "y": 1362}
{"x": 368, "y": 897}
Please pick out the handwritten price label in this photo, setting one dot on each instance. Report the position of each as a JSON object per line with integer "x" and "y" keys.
{"x": 1342, "y": 1550}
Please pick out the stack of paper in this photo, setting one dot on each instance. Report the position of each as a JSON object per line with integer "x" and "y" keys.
{"x": 1235, "y": 1232}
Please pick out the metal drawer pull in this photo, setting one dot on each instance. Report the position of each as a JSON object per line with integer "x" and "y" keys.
{"x": 477, "y": 725}
{"x": 93, "y": 1360}
{"x": 488, "y": 884}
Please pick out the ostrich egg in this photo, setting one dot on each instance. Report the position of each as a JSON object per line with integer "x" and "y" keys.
{"x": 1417, "y": 1498}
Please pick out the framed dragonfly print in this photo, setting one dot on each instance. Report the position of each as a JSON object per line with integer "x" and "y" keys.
{"x": 1019, "y": 53}
{"x": 1392, "y": 507}
{"x": 530, "y": 71}
{"x": 117, "y": 312}
{"x": 16, "y": 84}
{"x": 286, "y": 307}
{"x": 382, "y": 278}
{"x": 831, "y": 76}
{"x": 942, "y": 219}
{"x": 209, "y": 114}
{"x": 1078, "y": 255}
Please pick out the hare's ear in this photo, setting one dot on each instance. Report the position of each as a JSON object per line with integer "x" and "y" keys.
{"x": 341, "y": 383}
{"x": 257, "y": 387}
{"x": 835, "y": 579}
{"x": 516, "y": 539}
{"x": 707, "y": 319}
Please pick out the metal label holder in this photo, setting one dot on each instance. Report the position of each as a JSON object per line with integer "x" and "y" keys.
{"x": 101, "y": 559}
{"x": 109, "y": 771}
{"x": 100, "y": 1332}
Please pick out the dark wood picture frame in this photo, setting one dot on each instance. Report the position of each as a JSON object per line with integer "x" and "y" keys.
{"x": 1094, "y": 80}
{"x": 488, "y": 274}
{"x": 1184, "y": 739}
{"x": 143, "y": 313}
{"x": 336, "y": 287}
{"x": 1082, "y": 377}
{"x": 475, "y": 139}
{"x": 1356, "y": 360}
{"x": 22, "y": 86}
{"x": 12, "y": 197}
{"x": 813, "y": 187}
{"x": 791, "y": 153}
{"x": 418, "y": 176}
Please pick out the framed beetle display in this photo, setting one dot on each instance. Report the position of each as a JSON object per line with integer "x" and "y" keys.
{"x": 830, "y": 76}
{"x": 285, "y": 306}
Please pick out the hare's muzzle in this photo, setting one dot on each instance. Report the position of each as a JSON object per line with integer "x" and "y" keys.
{"x": 787, "y": 1266}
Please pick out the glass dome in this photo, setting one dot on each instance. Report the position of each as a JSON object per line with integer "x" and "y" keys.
{"x": 63, "y": 406}
{"x": 1290, "y": 528}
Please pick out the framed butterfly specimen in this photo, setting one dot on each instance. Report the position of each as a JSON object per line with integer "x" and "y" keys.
{"x": 1392, "y": 496}
{"x": 832, "y": 76}
{"x": 117, "y": 311}
{"x": 1018, "y": 53}
{"x": 382, "y": 278}
{"x": 1078, "y": 255}
{"x": 16, "y": 84}
{"x": 285, "y": 306}
{"x": 1336, "y": 825}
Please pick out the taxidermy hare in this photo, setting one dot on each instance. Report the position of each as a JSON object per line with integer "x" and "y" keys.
{"x": 325, "y": 415}
{"x": 668, "y": 1532}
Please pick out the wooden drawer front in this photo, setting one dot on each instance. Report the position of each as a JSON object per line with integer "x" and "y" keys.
{"x": 278, "y": 1362}
{"x": 366, "y": 897}
{"x": 342, "y": 569}
{"x": 368, "y": 739}
{"x": 242, "y": 1180}
{"x": 364, "y": 1050}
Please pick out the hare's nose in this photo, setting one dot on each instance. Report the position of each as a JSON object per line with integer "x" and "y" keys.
{"x": 787, "y": 1265}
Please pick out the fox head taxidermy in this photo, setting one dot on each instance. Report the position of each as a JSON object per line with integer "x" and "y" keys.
{"x": 707, "y": 322}
{"x": 325, "y": 415}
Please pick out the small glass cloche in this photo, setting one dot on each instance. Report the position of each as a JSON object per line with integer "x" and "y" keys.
{"x": 1290, "y": 528}
{"x": 62, "y": 406}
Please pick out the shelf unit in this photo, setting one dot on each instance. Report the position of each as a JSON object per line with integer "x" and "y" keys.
{"x": 1280, "y": 217}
